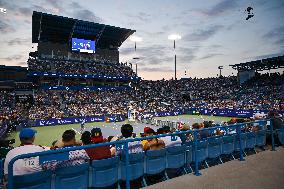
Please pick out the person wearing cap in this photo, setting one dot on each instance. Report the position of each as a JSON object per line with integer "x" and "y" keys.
{"x": 143, "y": 142}
{"x": 27, "y": 165}
{"x": 154, "y": 143}
{"x": 95, "y": 137}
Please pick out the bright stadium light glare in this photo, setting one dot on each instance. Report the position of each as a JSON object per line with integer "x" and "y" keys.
{"x": 174, "y": 37}
{"x": 135, "y": 38}
{"x": 3, "y": 10}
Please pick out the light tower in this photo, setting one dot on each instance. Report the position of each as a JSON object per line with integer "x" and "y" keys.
{"x": 135, "y": 39}
{"x": 220, "y": 68}
{"x": 175, "y": 37}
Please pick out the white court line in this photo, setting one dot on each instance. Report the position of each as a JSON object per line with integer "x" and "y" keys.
{"x": 76, "y": 131}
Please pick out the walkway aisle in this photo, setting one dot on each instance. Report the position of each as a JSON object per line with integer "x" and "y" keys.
{"x": 264, "y": 170}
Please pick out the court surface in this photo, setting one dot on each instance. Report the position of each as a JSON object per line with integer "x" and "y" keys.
{"x": 47, "y": 134}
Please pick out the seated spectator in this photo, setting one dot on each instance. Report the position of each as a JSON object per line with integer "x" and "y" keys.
{"x": 160, "y": 131}
{"x": 203, "y": 133}
{"x": 95, "y": 137}
{"x": 154, "y": 143}
{"x": 185, "y": 137}
{"x": 27, "y": 165}
{"x": 170, "y": 140}
{"x": 127, "y": 133}
{"x": 143, "y": 142}
{"x": 75, "y": 157}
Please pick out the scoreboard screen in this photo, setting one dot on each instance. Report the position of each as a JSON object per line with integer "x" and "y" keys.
{"x": 83, "y": 45}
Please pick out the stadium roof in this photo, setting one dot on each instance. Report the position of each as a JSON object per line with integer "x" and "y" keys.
{"x": 18, "y": 68}
{"x": 260, "y": 65}
{"x": 52, "y": 28}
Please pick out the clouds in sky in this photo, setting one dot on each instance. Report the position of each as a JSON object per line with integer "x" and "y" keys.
{"x": 214, "y": 32}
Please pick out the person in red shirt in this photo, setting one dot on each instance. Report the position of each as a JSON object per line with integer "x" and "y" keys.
{"x": 95, "y": 137}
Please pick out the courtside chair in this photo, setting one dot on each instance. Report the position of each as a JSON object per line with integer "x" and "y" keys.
{"x": 201, "y": 152}
{"x": 176, "y": 157}
{"x": 38, "y": 180}
{"x": 215, "y": 148}
{"x": 72, "y": 177}
{"x": 250, "y": 141}
{"x": 228, "y": 145}
{"x": 104, "y": 172}
{"x": 155, "y": 162}
{"x": 135, "y": 167}
{"x": 261, "y": 138}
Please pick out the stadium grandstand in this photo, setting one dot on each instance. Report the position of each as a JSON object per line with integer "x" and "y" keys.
{"x": 146, "y": 132}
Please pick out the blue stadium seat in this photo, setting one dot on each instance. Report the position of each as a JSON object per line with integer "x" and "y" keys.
{"x": 1, "y": 170}
{"x": 135, "y": 166}
{"x": 201, "y": 153}
{"x": 76, "y": 177}
{"x": 155, "y": 162}
{"x": 176, "y": 157}
{"x": 281, "y": 136}
{"x": 38, "y": 180}
{"x": 261, "y": 138}
{"x": 250, "y": 140}
{"x": 243, "y": 142}
{"x": 228, "y": 145}
{"x": 214, "y": 148}
{"x": 104, "y": 172}
{"x": 189, "y": 156}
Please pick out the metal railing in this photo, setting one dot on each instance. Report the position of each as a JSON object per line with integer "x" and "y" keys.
{"x": 63, "y": 154}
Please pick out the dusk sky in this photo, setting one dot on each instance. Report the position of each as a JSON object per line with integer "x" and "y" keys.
{"x": 214, "y": 32}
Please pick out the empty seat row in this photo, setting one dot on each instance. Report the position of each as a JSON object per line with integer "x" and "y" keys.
{"x": 214, "y": 147}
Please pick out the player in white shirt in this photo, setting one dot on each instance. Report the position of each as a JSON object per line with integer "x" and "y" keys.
{"x": 27, "y": 165}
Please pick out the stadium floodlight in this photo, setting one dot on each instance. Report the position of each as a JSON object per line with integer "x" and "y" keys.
{"x": 3, "y": 10}
{"x": 220, "y": 68}
{"x": 135, "y": 39}
{"x": 175, "y": 37}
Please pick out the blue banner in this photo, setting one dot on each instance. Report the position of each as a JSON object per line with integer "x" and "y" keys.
{"x": 91, "y": 88}
{"x": 71, "y": 120}
{"x": 231, "y": 112}
{"x": 162, "y": 114}
{"x": 118, "y": 118}
{"x": 105, "y": 77}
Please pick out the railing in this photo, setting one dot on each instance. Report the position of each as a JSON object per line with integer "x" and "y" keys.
{"x": 63, "y": 154}
{"x": 1, "y": 171}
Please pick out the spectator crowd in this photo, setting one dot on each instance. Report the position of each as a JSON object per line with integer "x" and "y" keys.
{"x": 95, "y": 67}
{"x": 263, "y": 92}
